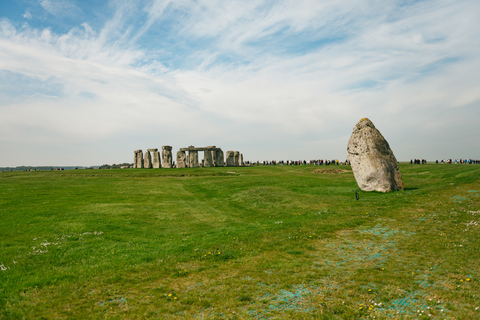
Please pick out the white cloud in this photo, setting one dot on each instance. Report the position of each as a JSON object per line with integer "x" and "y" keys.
{"x": 59, "y": 7}
{"x": 27, "y": 15}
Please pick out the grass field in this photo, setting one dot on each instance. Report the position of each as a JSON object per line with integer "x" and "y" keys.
{"x": 271, "y": 242}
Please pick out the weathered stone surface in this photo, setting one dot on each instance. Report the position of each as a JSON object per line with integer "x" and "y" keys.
{"x": 181, "y": 159}
{"x": 147, "y": 160}
{"x": 236, "y": 158}
{"x": 167, "y": 161}
{"x": 207, "y": 159}
{"x": 152, "y": 149}
{"x": 156, "y": 162}
{"x": 240, "y": 159}
{"x": 193, "y": 157}
{"x": 220, "y": 162}
{"x": 213, "y": 154}
{"x": 138, "y": 159}
{"x": 134, "y": 159}
{"x": 373, "y": 163}
{"x": 230, "y": 159}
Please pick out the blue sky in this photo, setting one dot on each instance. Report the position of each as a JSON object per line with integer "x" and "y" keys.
{"x": 89, "y": 82}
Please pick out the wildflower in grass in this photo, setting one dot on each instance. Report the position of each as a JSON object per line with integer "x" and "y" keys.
{"x": 468, "y": 279}
{"x": 175, "y": 298}
{"x": 169, "y": 294}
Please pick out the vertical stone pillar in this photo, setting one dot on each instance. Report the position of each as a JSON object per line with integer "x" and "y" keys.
{"x": 214, "y": 157}
{"x": 219, "y": 158}
{"x": 156, "y": 163}
{"x": 147, "y": 160}
{"x": 208, "y": 161}
{"x": 240, "y": 159}
{"x": 167, "y": 157}
{"x": 180, "y": 159}
{"x": 230, "y": 159}
{"x": 135, "y": 158}
{"x": 236, "y": 158}
{"x": 138, "y": 159}
{"x": 193, "y": 159}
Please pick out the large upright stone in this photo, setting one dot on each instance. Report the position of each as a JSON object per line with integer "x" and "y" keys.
{"x": 193, "y": 157}
{"x": 181, "y": 159}
{"x": 230, "y": 159}
{"x": 208, "y": 161}
{"x": 135, "y": 157}
{"x": 240, "y": 160}
{"x": 167, "y": 157}
{"x": 147, "y": 160}
{"x": 236, "y": 158}
{"x": 373, "y": 163}
{"x": 220, "y": 162}
{"x": 138, "y": 159}
{"x": 213, "y": 155}
{"x": 156, "y": 163}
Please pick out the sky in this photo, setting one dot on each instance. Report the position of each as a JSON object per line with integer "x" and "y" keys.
{"x": 88, "y": 82}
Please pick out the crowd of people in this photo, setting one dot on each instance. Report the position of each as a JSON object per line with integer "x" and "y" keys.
{"x": 298, "y": 162}
{"x": 448, "y": 161}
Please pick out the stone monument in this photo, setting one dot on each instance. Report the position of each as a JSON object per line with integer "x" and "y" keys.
{"x": 230, "y": 159}
{"x": 138, "y": 159}
{"x": 167, "y": 157}
{"x": 208, "y": 159}
{"x": 156, "y": 163}
{"x": 147, "y": 160}
{"x": 374, "y": 166}
{"x": 219, "y": 158}
{"x": 181, "y": 163}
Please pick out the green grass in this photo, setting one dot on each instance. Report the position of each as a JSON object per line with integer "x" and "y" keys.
{"x": 272, "y": 242}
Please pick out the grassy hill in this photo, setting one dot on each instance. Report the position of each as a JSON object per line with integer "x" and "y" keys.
{"x": 275, "y": 242}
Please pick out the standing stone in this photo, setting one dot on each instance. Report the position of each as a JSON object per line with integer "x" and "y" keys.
{"x": 236, "y": 158}
{"x": 214, "y": 157}
{"x": 373, "y": 163}
{"x": 167, "y": 157}
{"x": 230, "y": 159}
{"x": 181, "y": 159}
{"x": 138, "y": 159}
{"x": 156, "y": 163}
{"x": 147, "y": 160}
{"x": 240, "y": 160}
{"x": 135, "y": 155}
{"x": 208, "y": 161}
{"x": 193, "y": 155}
{"x": 219, "y": 158}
